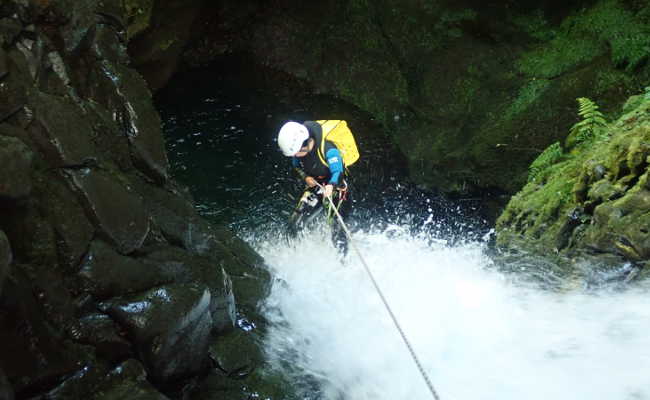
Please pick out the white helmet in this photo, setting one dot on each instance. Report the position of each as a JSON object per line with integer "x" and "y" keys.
{"x": 291, "y": 137}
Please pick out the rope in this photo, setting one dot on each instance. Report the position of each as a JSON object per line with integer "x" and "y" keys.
{"x": 383, "y": 299}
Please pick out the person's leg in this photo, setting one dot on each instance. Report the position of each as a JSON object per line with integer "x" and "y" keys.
{"x": 339, "y": 238}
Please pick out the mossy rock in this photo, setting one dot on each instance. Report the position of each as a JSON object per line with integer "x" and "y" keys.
{"x": 602, "y": 187}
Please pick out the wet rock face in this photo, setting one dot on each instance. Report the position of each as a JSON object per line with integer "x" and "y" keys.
{"x": 110, "y": 283}
{"x": 114, "y": 207}
{"x": 169, "y": 326}
{"x": 594, "y": 200}
{"x": 16, "y": 159}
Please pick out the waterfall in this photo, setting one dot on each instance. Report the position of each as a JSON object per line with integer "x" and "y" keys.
{"x": 479, "y": 333}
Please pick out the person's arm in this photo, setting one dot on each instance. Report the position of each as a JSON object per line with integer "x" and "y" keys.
{"x": 335, "y": 164}
{"x": 301, "y": 173}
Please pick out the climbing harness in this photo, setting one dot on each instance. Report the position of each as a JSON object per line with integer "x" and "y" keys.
{"x": 306, "y": 210}
{"x": 383, "y": 299}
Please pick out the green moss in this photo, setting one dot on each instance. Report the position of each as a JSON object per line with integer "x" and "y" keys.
{"x": 607, "y": 79}
{"x": 538, "y": 212}
{"x": 605, "y": 175}
{"x": 561, "y": 54}
{"x": 550, "y": 156}
{"x": 627, "y": 35}
{"x": 608, "y": 26}
{"x": 535, "y": 25}
{"x": 528, "y": 94}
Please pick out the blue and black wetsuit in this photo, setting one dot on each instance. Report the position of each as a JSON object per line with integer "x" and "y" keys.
{"x": 333, "y": 173}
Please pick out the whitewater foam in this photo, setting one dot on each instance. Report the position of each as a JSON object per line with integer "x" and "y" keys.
{"x": 477, "y": 332}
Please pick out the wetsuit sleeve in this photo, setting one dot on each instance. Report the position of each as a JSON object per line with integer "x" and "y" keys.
{"x": 335, "y": 163}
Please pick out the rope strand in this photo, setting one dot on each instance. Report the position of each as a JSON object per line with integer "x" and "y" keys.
{"x": 383, "y": 299}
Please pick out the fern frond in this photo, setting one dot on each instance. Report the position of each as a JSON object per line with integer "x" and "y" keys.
{"x": 592, "y": 124}
{"x": 547, "y": 158}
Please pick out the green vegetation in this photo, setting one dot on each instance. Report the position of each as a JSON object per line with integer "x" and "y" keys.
{"x": 592, "y": 126}
{"x": 595, "y": 197}
{"x": 528, "y": 95}
{"x": 548, "y": 157}
{"x": 608, "y": 27}
{"x": 563, "y": 53}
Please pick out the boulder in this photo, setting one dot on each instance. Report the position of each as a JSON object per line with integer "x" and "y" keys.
{"x": 181, "y": 266}
{"x": 124, "y": 92}
{"x": 115, "y": 208}
{"x": 102, "y": 333}
{"x": 169, "y": 327}
{"x": 181, "y": 225}
{"x": 35, "y": 346}
{"x": 236, "y": 353}
{"x": 68, "y": 219}
{"x": 129, "y": 381}
{"x": 63, "y": 133}
{"x": 16, "y": 172}
{"x": 105, "y": 273}
{"x": 99, "y": 382}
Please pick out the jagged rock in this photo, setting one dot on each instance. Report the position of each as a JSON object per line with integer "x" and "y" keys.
{"x": 106, "y": 47}
{"x": 5, "y": 258}
{"x": 139, "y": 119}
{"x": 106, "y": 274}
{"x": 68, "y": 219}
{"x": 35, "y": 349}
{"x": 25, "y": 220}
{"x": 621, "y": 226}
{"x": 236, "y": 353}
{"x": 128, "y": 381}
{"x": 169, "y": 327}
{"x": 87, "y": 129}
{"x": 187, "y": 268}
{"x": 257, "y": 385}
{"x": 101, "y": 332}
{"x": 97, "y": 382}
{"x": 116, "y": 209}
{"x": 13, "y": 87}
{"x": 80, "y": 22}
{"x": 64, "y": 132}
{"x": 155, "y": 52}
{"x": 182, "y": 226}
{"x": 15, "y": 175}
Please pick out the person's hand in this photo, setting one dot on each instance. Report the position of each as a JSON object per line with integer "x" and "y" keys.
{"x": 311, "y": 182}
{"x": 328, "y": 192}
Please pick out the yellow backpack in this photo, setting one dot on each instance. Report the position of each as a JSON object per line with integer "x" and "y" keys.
{"x": 337, "y": 132}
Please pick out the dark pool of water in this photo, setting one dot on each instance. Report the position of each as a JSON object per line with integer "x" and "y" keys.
{"x": 220, "y": 134}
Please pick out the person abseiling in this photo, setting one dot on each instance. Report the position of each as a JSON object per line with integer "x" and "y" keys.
{"x": 321, "y": 151}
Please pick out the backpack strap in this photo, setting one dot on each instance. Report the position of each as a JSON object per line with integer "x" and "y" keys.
{"x": 321, "y": 148}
